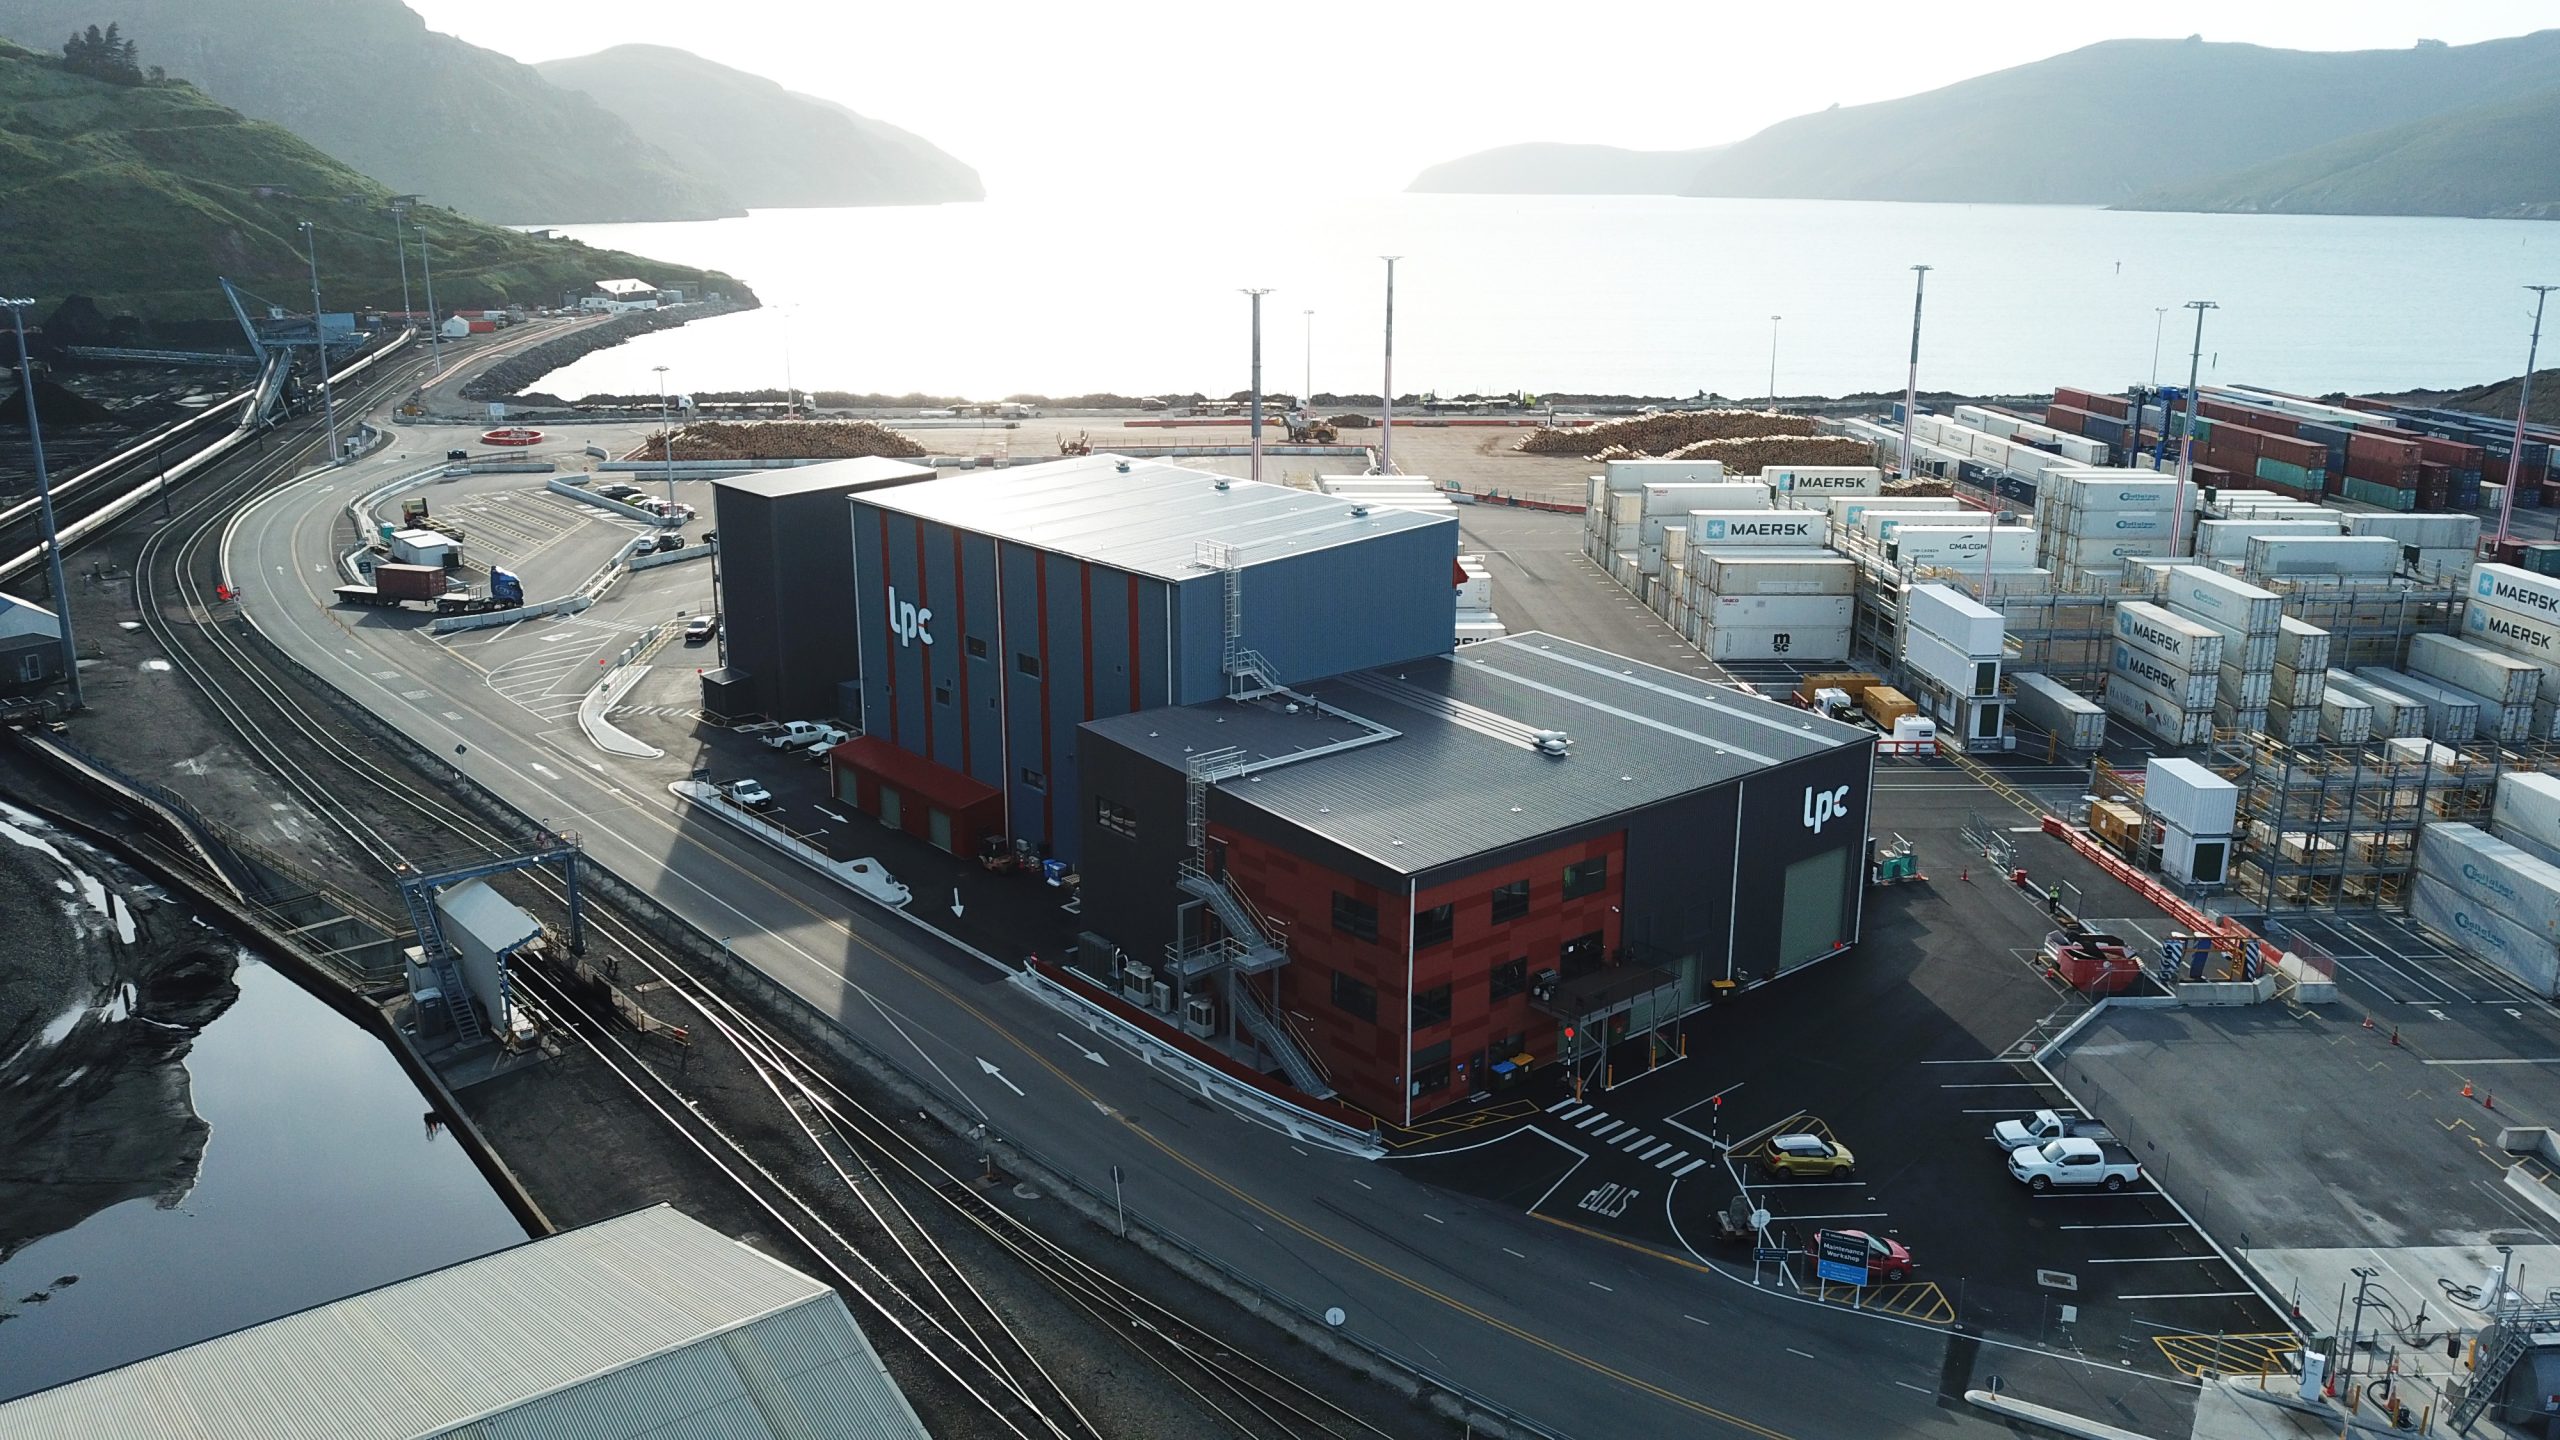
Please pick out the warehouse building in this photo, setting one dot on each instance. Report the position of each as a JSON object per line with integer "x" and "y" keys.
{"x": 789, "y": 613}
{"x": 30, "y": 646}
{"x": 650, "y": 1324}
{"x": 999, "y": 610}
{"x": 1450, "y": 870}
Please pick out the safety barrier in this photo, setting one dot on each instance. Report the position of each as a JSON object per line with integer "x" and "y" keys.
{"x": 2143, "y": 884}
{"x": 613, "y": 507}
{"x": 863, "y": 877}
{"x": 1496, "y": 497}
{"x": 652, "y": 559}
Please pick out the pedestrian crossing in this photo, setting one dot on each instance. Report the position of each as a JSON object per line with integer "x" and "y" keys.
{"x": 1609, "y": 1131}
{"x": 678, "y": 712}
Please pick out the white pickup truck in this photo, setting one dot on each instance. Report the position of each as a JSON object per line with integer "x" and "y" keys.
{"x": 2046, "y": 1125}
{"x": 2074, "y": 1161}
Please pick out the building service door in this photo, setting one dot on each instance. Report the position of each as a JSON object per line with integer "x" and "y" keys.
{"x": 939, "y": 823}
{"x": 889, "y": 808}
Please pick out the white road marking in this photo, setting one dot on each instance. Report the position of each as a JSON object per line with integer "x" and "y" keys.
{"x": 1685, "y": 1169}
{"x": 1567, "y": 1108}
{"x": 1656, "y": 1150}
{"x": 2193, "y": 1295}
{"x": 1805, "y": 1353}
{"x": 1915, "y": 1389}
{"x": 2526, "y": 1060}
{"x": 1674, "y": 1158}
{"x": 1694, "y": 1320}
{"x": 2157, "y": 1260}
{"x": 1596, "y": 1285}
{"x": 1514, "y": 1254}
{"x": 2132, "y": 1225}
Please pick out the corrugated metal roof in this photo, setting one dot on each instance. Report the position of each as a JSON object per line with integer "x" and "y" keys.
{"x": 19, "y": 617}
{"x": 624, "y": 1329}
{"x": 487, "y": 916}
{"x": 1463, "y": 777}
{"x": 847, "y": 475}
{"x": 1146, "y": 519}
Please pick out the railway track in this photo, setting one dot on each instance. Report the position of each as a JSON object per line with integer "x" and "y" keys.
{"x": 886, "y": 1240}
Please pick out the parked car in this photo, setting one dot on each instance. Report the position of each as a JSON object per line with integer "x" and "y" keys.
{"x": 796, "y": 734}
{"x": 701, "y": 628}
{"x": 2046, "y": 1125}
{"x": 1801, "y": 1155}
{"x": 457, "y": 454}
{"x": 670, "y": 541}
{"x": 747, "y": 794}
{"x": 1887, "y": 1260}
{"x": 2074, "y": 1161}
{"x": 617, "y": 492}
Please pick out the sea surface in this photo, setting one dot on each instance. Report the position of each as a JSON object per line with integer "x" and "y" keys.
{"x": 318, "y": 1179}
{"x": 1123, "y": 291}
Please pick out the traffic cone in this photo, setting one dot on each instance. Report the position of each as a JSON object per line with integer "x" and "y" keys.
{"x": 2466, "y": 1089}
{"x": 2368, "y": 1022}
{"x": 2395, "y": 1034}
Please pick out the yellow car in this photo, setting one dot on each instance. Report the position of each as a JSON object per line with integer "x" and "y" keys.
{"x": 1798, "y": 1157}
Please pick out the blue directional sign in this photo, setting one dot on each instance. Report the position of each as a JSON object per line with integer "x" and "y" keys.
{"x": 1840, "y": 1256}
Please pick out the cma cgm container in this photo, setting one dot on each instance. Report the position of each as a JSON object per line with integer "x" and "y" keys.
{"x": 2010, "y": 546}
{"x": 2182, "y": 643}
{"x": 2078, "y": 722}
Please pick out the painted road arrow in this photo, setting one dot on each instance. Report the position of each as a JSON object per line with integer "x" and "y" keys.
{"x": 989, "y": 1066}
{"x": 955, "y": 902}
{"x": 830, "y": 814}
{"x": 1093, "y": 1055}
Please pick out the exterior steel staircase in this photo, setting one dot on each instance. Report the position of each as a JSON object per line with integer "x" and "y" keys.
{"x": 2516, "y": 1328}
{"x": 457, "y": 996}
{"x": 1274, "y": 1035}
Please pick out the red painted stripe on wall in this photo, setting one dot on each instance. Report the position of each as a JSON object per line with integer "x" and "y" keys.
{"x": 960, "y": 590}
{"x": 1040, "y": 583}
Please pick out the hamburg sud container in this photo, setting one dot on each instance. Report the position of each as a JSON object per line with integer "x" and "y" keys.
{"x": 1797, "y": 528}
{"x": 2044, "y": 702}
{"x": 1776, "y": 572}
{"x": 2449, "y": 718}
{"x": 2344, "y": 719}
{"x": 2482, "y": 933}
{"x": 2234, "y": 607}
{"x": 2190, "y": 690}
{"x": 1807, "y": 482}
{"x": 2475, "y": 668}
{"x": 1849, "y": 511}
{"x": 2526, "y": 812}
{"x": 2180, "y": 643}
{"x": 2394, "y": 714}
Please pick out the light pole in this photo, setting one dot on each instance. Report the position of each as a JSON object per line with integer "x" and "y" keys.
{"x": 1773, "y": 361}
{"x": 1387, "y": 422}
{"x": 2159, "y": 323}
{"x": 1307, "y": 398}
{"x": 1257, "y": 378}
{"x": 401, "y": 244}
{"x": 2524, "y": 402}
{"x": 2187, "y": 436}
{"x": 790, "y": 391}
{"x": 667, "y": 432}
{"x": 1911, "y": 386}
{"x": 44, "y": 499}
{"x": 435, "y": 318}
{"x": 320, "y": 339}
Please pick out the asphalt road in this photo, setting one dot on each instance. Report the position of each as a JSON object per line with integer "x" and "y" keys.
{"x": 1587, "y": 1335}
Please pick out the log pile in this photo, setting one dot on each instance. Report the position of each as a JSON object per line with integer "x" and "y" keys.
{"x": 1663, "y": 432}
{"x": 781, "y": 440}
{"x": 1747, "y": 455}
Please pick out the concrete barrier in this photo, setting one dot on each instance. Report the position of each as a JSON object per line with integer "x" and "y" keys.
{"x": 599, "y": 698}
{"x": 652, "y": 559}
{"x": 614, "y": 507}
{"x": 2050, "y": 1418}
{"x": 864, "y": 877}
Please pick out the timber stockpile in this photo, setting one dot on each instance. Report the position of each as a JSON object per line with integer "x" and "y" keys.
{"x": 1665, "y": 432}
{"x": 1749, "y": 454}
{"x": 780, "y": 440}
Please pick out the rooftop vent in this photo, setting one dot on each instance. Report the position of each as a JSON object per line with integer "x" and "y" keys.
{"x": 1359, "y": 511}
{"x": 1551, "y": 742}
{"x": 1123, "y": 467}
{"x": 1222, "y": 482}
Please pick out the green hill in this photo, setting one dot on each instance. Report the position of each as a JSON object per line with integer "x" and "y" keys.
{"x": 1553, "y": 169}
{"x": 141, "y": 195}
{"x": 2500, "y": 160}
{"x": 769, "y": 146}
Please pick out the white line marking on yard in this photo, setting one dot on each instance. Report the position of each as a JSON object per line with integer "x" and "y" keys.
{"x": 1363, "y": 1184}
{"x": 1603, "y": 1132}
{"x": 1656, "y": 1150}
{"x": 1596, "y": 1285}
{"x": 1567, "y": 1107}
{"x": 1694, "y": 1320}
{"x": 1434, "y": 1219}
{"x": 1805, "y": 1353}
{"x": 2155, "y": 1260}
{"x": 1915, "y": 1389}
{"x": 1685, "y": 1169}
{"x": 1996, "y": 1085}
{"x": 2131, "y": 1225}
{"x": 1594, "y": 1118}
{"x": 2193, "y": 1295}
{"x": 2528, "y": 1060}
{"x": 1674, "y": 1158}
{"x": 1514, "y": 1254}
{"x": 1847, "y": 1215}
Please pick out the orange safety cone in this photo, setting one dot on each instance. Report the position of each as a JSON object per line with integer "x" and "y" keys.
{"x": 2368, "y": 1022}
{"x": 2395, "y": 1034}
{"x": 2466, "y": 1089}
{"x": 2489, "y": 1099}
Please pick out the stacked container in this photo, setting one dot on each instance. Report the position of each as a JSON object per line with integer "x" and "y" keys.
{"x": 2391, "y": 713}
{"x": 2490, "y": 900}
{"x": 2450, "y": 717}
{"x": 2434, "y": 544}
{"x": 1807, "y": 483}
{"x": 2251, "y": 622}
{"x": 2503, "y": 687}
{"x": 2174, "y": 662}
{"x": 2199, "y": 812}
{"x": 1747, "y": 602}
{"x": 1952, "y": 651}
{"x": 2517, "y": 613}
{"x": 2089, "y": 522}
{"x": 2295, "y": 710}
{"x": 2525, "y": 813}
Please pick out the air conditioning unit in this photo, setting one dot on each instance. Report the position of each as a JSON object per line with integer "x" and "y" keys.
{"x": 1161, "y": 998}
{"x": 1200, "y": 1017}
{"x": 1135, "y": 978}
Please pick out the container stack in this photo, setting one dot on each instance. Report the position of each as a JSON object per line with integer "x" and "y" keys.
{"x": 2198, "y": 812}
{"x": 2490, "y": 900}
{"x": 1848, "y": 514}
{"x": 1613, "y": 510}
{"x": 2074, "y": 721}
{"x": 2390, "y": 714}
{"x": 1476, "y": 617}
{"x": 1668, "y": 506}
{"x": 2503, "y": 687}
{"x": 2525, "y": 812}
{"x": 2431, "y": 544}
{"x": 2226, "y": 541}
{"x": 1768, "y": 602}
{"x": 2320, "y": 557}
{"x": 2447, "y": 717}
{"x": 2298, "y": 691}
{"x": 2517, "y": 613}
{"x": 2089, "y": 521}
{"x": 2162, "y": 672}
{"x": 2251, "y": 621}
{"x": 1953, "y": 650}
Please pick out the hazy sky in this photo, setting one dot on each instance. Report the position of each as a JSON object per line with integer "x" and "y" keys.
{"x": 1130, "y": 97}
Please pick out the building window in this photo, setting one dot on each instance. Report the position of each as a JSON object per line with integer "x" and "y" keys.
{"x": 1431, "y": 1068}
{"x": 1354, "y": 997}
{"x": 1356, "y": 918}
{"x": 1431, "y": 1007}
{"x": 1117, "y": 818}
{"x": 941, "y": 694}
{"x": 1510, "y": 978}
{"x": 1034, "y": 780}
{"x": 1588, "y": 878}
{"x": 977, "y": 648}
{"x": 1511, "y": 901}
{"x": 1027, "y": 663}
{"x": 1434, "y": 926}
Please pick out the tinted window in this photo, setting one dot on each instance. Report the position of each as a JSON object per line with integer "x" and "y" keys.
{"x": 1510, "y": 977}
{"x": 1511, "y": 901}
{"x": 1354, "y": 997}
{"x": 1355, "y": 917}
{"x": 1433, "y": 926}
{"x": 1117, "y": 818}
{"x": 1431, "y": 1007}
{"x": 1588, "y": 878}
{"x": 1431, "y": 1068}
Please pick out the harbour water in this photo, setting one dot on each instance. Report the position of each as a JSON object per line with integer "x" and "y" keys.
{"x": 181, "y": 1160}
{"x": 1605, "y": 294}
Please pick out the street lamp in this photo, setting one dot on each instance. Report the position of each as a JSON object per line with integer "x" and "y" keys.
{"x": 44, "y": 499}
{"x": 2187, "y": 440}
{"x": 1773, "y": 361}
{"x": 1387, "y": 423}
{"x": 2159, "y": 323}
{"x": 1307, "y": 397}
{"x": 401, "y": 244}
{"x": 666, "y": 429}
{"x": 1257, "y": 378}
{"x": 435, "y": 319}
{"x": 2524, "y": 401}
{"x": 1911, "y": 387}
{"x": 320, "y": 338}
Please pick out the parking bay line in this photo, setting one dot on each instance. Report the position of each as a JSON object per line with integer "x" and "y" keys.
{"x": 2131, "y": 1225}
{"x": 2159, "y": 1260}
{"x": 2195, "y": 1295}
{"x": 2525, "y": 1060}
{"x": 1849, "y": 1215}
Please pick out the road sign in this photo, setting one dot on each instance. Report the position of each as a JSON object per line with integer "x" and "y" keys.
{"x": 1771, "y": 1255}
{"x": 1840, "y": 1256}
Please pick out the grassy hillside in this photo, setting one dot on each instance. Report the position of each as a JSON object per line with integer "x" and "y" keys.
{"x": 768, "y": 145}
{"x": 2497, "y": 160}
{"x": 1548, "y": 169}
{"x": 141, "y": 195}
{"x": 368, "y": 83}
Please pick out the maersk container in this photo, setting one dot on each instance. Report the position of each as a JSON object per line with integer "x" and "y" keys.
{"x": 1952, "y": 670}
{"x": 2450, "y": 719}
{"x": 1805, "y": 482}
{"x": 2182, "y": 643}
{"x": 2075, "y": 720}
{"x": 2190, "y": 689}
{"x": 1758, "y": 528}
{"x": 2010, "y": 546}
{"x": 2476, "y": 668}
{"x": 2301, "y": 689}
{"x": 2344, "y": 719}
{"x": 2526, "y": 811}
{"x": 1780, "y": 612}
{"x": 2155, "y": 714}
{"x": 2244, "y": 689}
{"x": 2517, "y": 589}
{"x": 1776, "y": 572}
{"x": 1812, "y": 644}
{"x": 2488, "y": 871}
{"x": 1626, "y": 475}
{"x": 2483, "y": 934}
{"x": 2353, "y": 556}
{"x": 2229, "y": 539}
{"x": 1965, "y": 624}
{"x": 2229, "y": 605}
{"x": 1675, "y": 501}
{"x": 2301, "y": 645}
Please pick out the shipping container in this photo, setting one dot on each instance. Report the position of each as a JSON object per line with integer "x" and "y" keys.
{"x": 2526, "y": 811}
{"x": 2010, "y": 546}
{"x": 1971, "y": 628}
{"x": 2228, "y": 539}
{"x": 1951, "y": 669}
{"x": 2182, "y": 643}
{"x": 2189, "y": 689}
{"x": 2107, "y": 491}
{"x": 2300, "y": 689}
{"x": 1757, "y": 528}
{"x": 2301, "y": 645}
{"x": 2421, "y": 532}
{"x": 2487, "y": 871}
{"x": 2191, "y": 797}
{"x": 409, "y": 582}
{"x": 2395, "y": 715}
{"x": 2352, "y": 556}
{"x": 2078, "y": 722}
{"x": 1819, "y": 645}
{"x": 1779, "y": 612}
{"x": 2102, "y": 552}
{"x": 2155, "y": 714}
{"x": 2295, "y": 725}
{"x": 1675, "y": 501}
{"x": 2484, "y": 935}
{"x": 1675, "y": 543}
{"x": 2194, "y": 859}
{"x": 2229, "y": 605}
{"x": 2516, "y": 589}
{"x": 2451, "y": 719}
{"x": 2500, "y": 678}
{"x": 1847, "y": 511}
{"x": 1775, "y": 572}
{"x": 2344, "y": 719}
{"x": 2244, "y": 689}
{"x": 1623, "y": 475}
{"x": 2368, "y": 492}
{"x": 1806, "y": 482}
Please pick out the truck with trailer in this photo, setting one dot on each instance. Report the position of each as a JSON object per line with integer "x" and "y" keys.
{"x": 395, "y": 586}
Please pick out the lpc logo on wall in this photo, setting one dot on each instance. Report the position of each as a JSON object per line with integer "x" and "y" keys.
{"x": 1821, "y": 807}
{"x": 907, "y": 621}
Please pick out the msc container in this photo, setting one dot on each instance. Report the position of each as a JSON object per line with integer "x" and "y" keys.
{"x": 2360, "y": 556}
{"x": 1678, "y": 500}
{"x": 1807, "y": 481}
{"x": 2483, "y": 934}
{"x": 2517, "y": 589}
{"x": 2182, "y": 643}
{"x": 2155, "y": 714}
{"x": 1797, "y": 528}
{"x": 1779, "y": 612}
{"x": 2450, "y": 718}
{"x": 1636, "y": 474}
{"x": 2301, "y": 645}
{"x": 1824, "y": 644}
{"x": 2526, "y": 811}
{"x": 2187, "y": 795}
{"x": 2344, "y": 719}
{"x": 1776, "y": 572}
{"x": 2193, "y": 690}
{"x": 2078, "y": 722}
{"x": 2011, "y": 547}
{"x": 2228, "y": 605}
{"x": 2476, "y": 668}
{"x": 1955, "y": 617}
{"x": 2244, "y": 689}
{"x": 2487, "y": 871}
{"x": 1953, "y": 670}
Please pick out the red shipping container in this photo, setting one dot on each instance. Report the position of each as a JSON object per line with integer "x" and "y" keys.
{"x": 2112, "y": 406}
{"x": 2388, "y": 451}
{"x": 2452, "y": 453}
{"x": 2065, "y": 418}
{"x": 2398, "y": 477}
